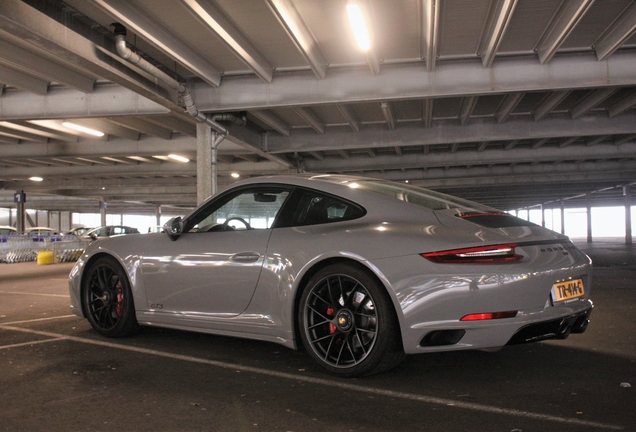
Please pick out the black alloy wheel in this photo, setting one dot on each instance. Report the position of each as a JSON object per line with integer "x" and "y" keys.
{"x": 347, "y": 322}
{"x": 107, "y": 299}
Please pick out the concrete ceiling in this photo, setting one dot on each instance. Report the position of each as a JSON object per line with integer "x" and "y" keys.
{"x": 512, "y": 103}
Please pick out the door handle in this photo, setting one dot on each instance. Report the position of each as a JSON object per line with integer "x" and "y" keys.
{"x": 245, "y": 257}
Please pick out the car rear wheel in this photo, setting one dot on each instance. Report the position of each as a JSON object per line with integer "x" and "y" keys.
{"x": 347, "y": 322}
{"x": 107, "y": 299}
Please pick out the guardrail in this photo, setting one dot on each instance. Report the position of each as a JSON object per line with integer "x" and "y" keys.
{"x": 19, "y": 248}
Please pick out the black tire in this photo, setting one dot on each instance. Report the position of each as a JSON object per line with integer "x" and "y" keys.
{"x": 107, "y": 299}
{"x": 347, "y": 322}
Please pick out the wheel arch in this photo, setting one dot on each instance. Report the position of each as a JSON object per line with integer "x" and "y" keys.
{"x": 362, "y": 265}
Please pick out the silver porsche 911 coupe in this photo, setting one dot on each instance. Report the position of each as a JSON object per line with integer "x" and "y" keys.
{"x": 357, "y": 271}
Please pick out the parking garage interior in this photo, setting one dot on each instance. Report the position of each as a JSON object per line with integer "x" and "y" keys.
{"x": 148, "y": 107}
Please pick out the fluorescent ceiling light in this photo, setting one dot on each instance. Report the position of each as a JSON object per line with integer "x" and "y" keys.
{"x": 235, "y": 175}
{"x": 358, "y": 25}
{"x": 83, "y": 129}
{"x": 178, "y": 158}
{"x": 36, "y": 179}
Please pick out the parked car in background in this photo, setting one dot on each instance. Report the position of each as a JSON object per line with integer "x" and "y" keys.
{"x": 40, "y": 231}
{"x": 109, "y": 231}
{"x": 42, "y": 234}
{"x": 79, "y": 231}
{"x": 155, "y": 229}
{"x": 359, "y": 271}
{"x": 7, "y": 230}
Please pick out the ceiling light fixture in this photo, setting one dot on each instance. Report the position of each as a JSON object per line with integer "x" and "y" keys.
{"x": 179, "y": 158}
{"x": 358, "y": 25}
{"x": 36, "y": 179}
{"x": 235, "y": 175}
{"x": 83, "y": 129}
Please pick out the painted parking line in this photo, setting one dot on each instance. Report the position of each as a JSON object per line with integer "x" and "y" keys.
{"x": 34, "y": 294}
{"x": 32, "y": 343}
{"x": 40, "y": 319}
{"x": 330, "y": 383}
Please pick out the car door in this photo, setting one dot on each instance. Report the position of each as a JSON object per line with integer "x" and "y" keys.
{"x": 213, "y": 267}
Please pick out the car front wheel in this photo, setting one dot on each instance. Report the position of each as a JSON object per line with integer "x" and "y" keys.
{"x": 107, "y": 299}
{"x": 347, "y": 322}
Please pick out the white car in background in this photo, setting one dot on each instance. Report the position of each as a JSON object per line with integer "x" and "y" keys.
{"x": 40, "y": 231}
{"x": 109, "y": 231}
{"x": 7, "y": 230}
{"x": 78, "y": 231}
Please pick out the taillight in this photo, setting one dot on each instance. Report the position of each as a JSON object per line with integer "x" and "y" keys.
{"x": 489, "y": 316}
{"x": 496, "y": 254}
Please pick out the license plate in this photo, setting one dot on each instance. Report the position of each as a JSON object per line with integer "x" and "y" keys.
{"x": 567, "y": 290}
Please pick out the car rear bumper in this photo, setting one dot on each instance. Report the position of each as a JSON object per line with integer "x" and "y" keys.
{"x": 528, "y": 326}
{"x": 554, "y": 329}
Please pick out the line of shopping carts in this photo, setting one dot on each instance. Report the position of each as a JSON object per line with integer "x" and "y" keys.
{"x": 19, "y": 248}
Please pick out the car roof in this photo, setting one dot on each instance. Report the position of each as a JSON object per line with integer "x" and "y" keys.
{"x": 303, "y": 179}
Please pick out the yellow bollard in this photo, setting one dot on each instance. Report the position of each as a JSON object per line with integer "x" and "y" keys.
{"x": 46, "y": 257}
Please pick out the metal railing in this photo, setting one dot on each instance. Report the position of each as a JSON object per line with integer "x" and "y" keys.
{"x": 19, "y": 248}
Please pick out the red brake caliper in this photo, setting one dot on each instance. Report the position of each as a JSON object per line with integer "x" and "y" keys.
{"x": 119, "y": 309}
{"x": 332, "y": 326}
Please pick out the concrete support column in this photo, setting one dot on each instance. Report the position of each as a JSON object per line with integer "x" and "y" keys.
{"x": 563, "y": 217}
{"x": 102, "y": 210}
{"x": 542, "y": 216}
{"x": 588, "y": 201}
{"x": 19, "y": 198}
{"x": 204, "y": 162}
{"x": 158, "y": 214}
{"x": 628, "y": 214}
{"x": 213, "y": 158}
{"x": 20, "y": 218}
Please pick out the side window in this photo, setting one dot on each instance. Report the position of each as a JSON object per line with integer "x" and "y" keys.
{"x": 318, "y": 208}
{"x": 248, "y": 209}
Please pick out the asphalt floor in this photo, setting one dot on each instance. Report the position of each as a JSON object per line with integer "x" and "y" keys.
{"x": 57, "y": 374}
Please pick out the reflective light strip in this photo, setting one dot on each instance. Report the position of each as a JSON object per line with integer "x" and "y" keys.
{"x": 489, "y": 316}
{"x": 471, "y": 215}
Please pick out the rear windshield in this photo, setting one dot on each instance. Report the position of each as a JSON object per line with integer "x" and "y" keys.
{"x": 420, "y": 196}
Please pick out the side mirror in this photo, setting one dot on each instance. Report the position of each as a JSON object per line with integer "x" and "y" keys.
{"x": 174, "y": 228}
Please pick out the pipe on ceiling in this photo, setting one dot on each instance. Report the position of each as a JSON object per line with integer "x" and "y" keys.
{"x": 127, "y": 54}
